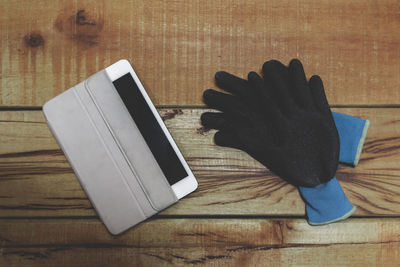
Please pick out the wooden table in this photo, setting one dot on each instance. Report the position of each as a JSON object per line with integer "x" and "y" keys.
{"x": 241, "y": 214}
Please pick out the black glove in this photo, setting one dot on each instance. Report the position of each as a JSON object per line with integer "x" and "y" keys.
{"x": 282, "y": 121}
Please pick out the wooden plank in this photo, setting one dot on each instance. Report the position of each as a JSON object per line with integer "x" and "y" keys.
{"x": 36, "y": 179}
{"x": 49, "y": 46}
{"x": 216, "y": 242}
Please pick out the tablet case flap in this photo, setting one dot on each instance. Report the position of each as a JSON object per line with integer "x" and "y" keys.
{"x": 130, "y": 141}
{"x": 93, "y": 164}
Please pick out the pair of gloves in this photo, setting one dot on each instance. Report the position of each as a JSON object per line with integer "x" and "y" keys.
{"x": 285, "y": 122}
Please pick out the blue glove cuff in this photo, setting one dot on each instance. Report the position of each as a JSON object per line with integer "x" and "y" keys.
{"x": 326, "y": 203}
{"x": 352, "y": 132}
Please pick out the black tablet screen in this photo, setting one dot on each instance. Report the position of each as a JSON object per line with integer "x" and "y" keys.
{"x": 150, "y": 129}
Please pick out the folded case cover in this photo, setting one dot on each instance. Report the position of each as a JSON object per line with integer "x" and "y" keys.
{"x": 108, "y": 153}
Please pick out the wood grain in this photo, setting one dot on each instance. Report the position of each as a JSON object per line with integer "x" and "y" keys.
{"x": 211, "y": 242}
{"x": 36, "y": 179}
{"x": 177, "y": 46}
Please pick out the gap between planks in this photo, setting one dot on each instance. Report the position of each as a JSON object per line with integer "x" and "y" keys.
{"x": 189, "y": 216}
{"x": 33, "y": 108}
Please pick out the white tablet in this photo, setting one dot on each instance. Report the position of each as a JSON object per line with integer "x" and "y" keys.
{"x": 119, "y": 148}
{"x": 152, "y": 128}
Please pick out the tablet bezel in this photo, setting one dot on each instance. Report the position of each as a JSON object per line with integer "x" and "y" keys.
{"x": 186, "y": 185}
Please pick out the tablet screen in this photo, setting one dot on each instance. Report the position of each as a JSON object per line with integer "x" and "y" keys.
{"x": 150, "y": 129}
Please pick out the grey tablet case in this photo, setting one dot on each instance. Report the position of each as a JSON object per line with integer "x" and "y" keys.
{"x": 108, "y": 153}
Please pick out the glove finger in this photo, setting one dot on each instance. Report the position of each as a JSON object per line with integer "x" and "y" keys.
{"x": 223, "y": 102}
{"x": 227, "y": 139}
{"x": 271, "y": 111}
{"x": 276, "y": 79}
{"x": 318, "y": 93}
{"x": 300, "y": 87}
{"x": 268, "y": 107}
{"x": 214, "y": 120}
{"x": 231, "y": 83}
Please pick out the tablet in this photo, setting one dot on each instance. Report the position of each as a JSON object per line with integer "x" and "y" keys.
{"x": 119, "y": 147}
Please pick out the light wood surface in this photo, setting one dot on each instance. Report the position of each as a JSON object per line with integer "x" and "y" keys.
{"x": 210, "y": 242}
{"x": 177, "y": 46}
{"x": 241, "y": 214}
{"x": 38, "y": 181}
